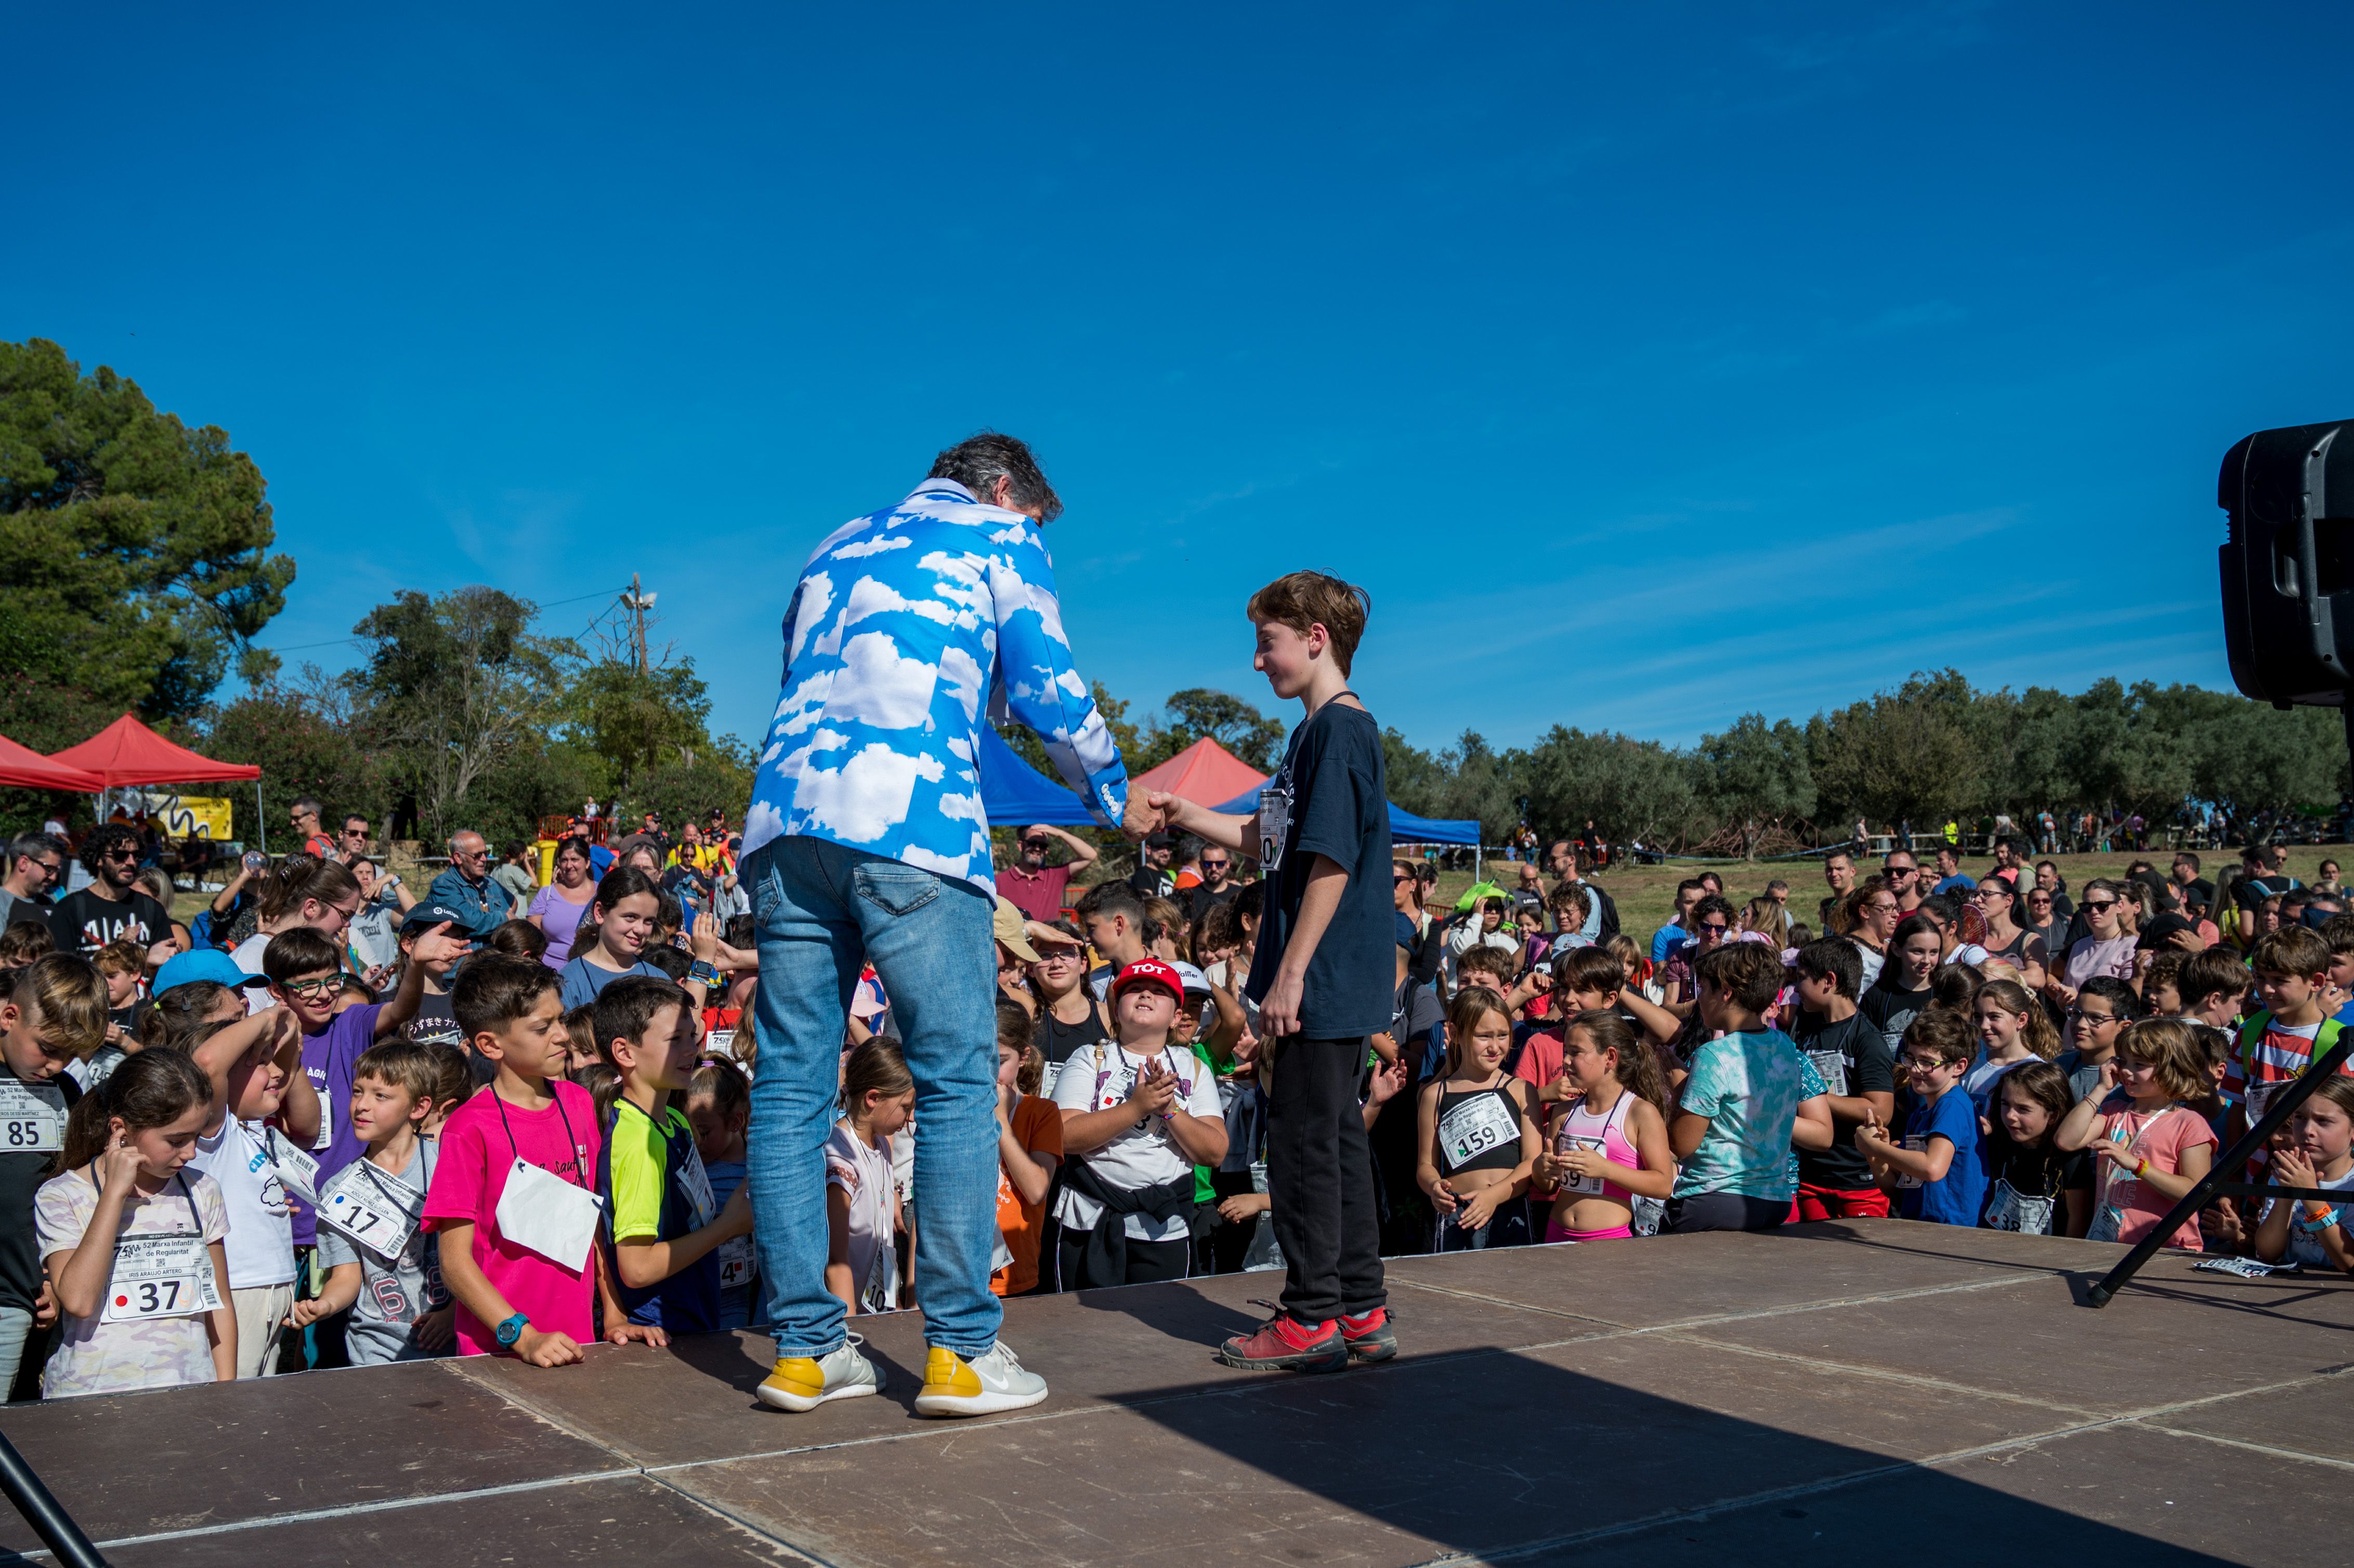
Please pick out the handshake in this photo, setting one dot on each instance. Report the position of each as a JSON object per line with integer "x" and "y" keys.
{"x": 1153, "y": 812}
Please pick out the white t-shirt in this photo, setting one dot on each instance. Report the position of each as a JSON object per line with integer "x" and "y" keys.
{"x": 260, "y": 1241}
{"x": 1140, "y": 1157}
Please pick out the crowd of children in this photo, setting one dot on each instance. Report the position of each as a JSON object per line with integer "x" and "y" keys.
{"x": 214, "y": 1173}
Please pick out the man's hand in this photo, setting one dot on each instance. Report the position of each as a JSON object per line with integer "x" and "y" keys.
{"x": 1142, "y": 817}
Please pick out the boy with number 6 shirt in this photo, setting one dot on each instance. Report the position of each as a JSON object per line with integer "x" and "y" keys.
{"x": 383, "y": 1266}
{"x": 1322, "y": 976}
{"x": 513, "y": 1195}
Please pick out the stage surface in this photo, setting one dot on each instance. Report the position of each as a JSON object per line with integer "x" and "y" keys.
{"x": 1872, "y": 1391}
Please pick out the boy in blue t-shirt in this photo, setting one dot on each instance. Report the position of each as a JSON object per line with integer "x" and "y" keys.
{"x": 1941, "y": 1167}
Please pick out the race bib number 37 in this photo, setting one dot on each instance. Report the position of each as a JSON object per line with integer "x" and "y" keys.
{"x": 160, "y": 1277}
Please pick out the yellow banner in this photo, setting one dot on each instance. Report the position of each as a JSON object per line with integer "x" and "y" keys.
{"x": 205, "y": 816}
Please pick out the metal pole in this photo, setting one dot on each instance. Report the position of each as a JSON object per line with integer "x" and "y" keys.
{"x": 56, "y": 1527}
{"x": 261, "y": 823}
{"x": 2225, "y": 1170}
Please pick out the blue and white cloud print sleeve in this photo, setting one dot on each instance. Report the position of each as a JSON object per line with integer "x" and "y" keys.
{"x": 904, "y": 624}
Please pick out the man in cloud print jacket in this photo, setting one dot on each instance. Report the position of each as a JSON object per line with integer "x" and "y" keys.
{"x": 904, "y": 623}
{"x": 867, "y": 841}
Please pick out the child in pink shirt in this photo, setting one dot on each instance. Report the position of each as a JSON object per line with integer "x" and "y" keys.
{"x": 540, "y": 1297}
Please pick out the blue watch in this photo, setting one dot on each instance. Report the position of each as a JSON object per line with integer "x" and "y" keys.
{"x": 511, "y": 1331}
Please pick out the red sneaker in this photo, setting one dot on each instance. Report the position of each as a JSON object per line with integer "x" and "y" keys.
{"x": 1369, "y": 1335}
{"x": 1284, "y": 1343}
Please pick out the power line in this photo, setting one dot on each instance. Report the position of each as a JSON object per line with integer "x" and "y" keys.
{"x": 334, "y": 641}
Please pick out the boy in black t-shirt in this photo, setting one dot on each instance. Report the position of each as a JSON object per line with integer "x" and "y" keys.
{"x": 1847, "y": 1050}
{"x": 54, "y": 1014}
{"x": 1322, "y": 975}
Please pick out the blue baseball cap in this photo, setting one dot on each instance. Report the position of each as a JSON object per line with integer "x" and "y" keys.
{"x": 203, "y": 964}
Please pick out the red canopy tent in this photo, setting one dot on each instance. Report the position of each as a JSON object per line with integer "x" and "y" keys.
{"x": 1205, "y": 773}
{"x": 127, "y": 753}
{"x": 26, "y": 768}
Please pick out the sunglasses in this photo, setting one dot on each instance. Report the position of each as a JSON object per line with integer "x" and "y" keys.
{"x": 122, "y": 854}
{"x": 1216, "y": 865}
{"x": 2094, "y": 906}
{"x": 1719, "y": 927}
{"x": 1033, "y": 843}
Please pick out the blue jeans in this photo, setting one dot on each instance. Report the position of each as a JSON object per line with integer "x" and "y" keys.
{"x": 16, "y": 1332}
{"x": 821, "y": 909}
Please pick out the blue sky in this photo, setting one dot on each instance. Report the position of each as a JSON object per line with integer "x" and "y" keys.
{"x": 1648, "y": 365}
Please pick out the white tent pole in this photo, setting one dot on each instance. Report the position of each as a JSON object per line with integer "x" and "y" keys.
{"x": 260, "y": 826}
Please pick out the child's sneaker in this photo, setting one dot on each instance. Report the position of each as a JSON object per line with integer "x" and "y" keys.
{"x": 981, "y": 1386}
{"x": 1369, "y": 1335}
{"x": 1284, "y": 1343}
{"x": 804, "y": 1383}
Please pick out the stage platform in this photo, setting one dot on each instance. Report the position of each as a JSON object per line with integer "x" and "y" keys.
{"x": 1867, "y": 1392}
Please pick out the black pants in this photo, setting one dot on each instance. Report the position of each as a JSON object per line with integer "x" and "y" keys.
{"x": 1320, "y": 1180}
{"x": 1147, "y": 1261}
{"x": 1723, "y": 1212}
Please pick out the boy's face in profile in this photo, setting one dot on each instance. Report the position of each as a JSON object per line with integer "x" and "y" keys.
{"x": 1593, "y": 1000}
{"x": 2283, "y": 994}
{"x": 1815, "y": 991}
{"x": 1285, "y": 657}
{"x": 533, "y": 1045}
{"x": 1711, "y": 1005}
{"x": 664, "y": 1053}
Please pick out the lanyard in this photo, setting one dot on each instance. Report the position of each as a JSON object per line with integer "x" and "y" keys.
{"x": 569, "y": 1141}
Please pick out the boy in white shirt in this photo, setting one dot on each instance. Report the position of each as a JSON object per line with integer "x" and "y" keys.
{"x": 1137, "y": 1116}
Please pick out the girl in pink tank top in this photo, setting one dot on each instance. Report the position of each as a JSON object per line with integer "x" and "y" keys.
{"x": 1609, "y": 1144}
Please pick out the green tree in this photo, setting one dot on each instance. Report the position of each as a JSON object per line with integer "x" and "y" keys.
{"x": 455, "y": 684}
{"x": 1755, "y": 774}
{"x": 133, "y": 550}
{"x": 1198, "y": 713}
{"x": 305, "y": 742}
{"x": 1631, "y": 788}
{"x": 1905, "y": 755}
{"x": 638, "y": 719}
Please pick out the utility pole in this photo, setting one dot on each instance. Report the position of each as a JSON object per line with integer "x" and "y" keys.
{"x": 638, "y": 602}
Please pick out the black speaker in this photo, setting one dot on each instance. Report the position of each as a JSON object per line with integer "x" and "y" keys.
{"x": 2288, "y": 564}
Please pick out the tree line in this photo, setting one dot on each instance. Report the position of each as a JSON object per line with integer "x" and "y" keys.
{"x": 136, "y": 571}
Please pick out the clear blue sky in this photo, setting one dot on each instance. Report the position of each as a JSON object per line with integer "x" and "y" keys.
{"x": 1649, "y": 365}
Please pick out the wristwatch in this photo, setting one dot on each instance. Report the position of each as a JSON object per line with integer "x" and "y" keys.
{"x": 511, "y": 1331}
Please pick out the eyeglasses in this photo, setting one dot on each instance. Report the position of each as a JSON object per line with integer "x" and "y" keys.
{"x": 318, "y": 985}
{"x": 2094, "y": 1019}
{"x": 1924, "y": 1064}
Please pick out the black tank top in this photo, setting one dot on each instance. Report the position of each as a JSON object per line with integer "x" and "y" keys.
{"x": 1486, "y": 1136}
{"x": 1057, "y": 1040}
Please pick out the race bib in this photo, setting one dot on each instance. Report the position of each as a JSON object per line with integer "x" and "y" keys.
{"x": 2261, "y": 1094}
{"x": 1048, "y": 1077}
{"x": 2006, "y": 1209}
{"x": 1591, "y": 1186}
{"x": 1832, "y": 1065}
{"x": 735, "y": 1262}
{"x": 160, "y": 1277}
{"x": 1274, "y": 825}
{"x": 723, "y": 1041}
{"x": 1475, "y": 1127}
{"x": 695, "y": 1185}
{"x": 361, "y": 1205}
{"x": 1918, "y": 1143}
{"x": 32, "y": 1118}
{"x": 295, "y": 1167}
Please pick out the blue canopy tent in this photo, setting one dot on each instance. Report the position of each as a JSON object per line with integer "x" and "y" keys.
{"x": 1405, "y": 828}
{"x": 1016, "y": 794}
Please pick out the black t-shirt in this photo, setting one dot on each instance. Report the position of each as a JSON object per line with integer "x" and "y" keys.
{"x": 2034, "y": 1173}
{"x": 83, "y": 922}
{"x": 1332, "y": 772}
{"x": 1201, "y": 899}
{"x": 1891, "y": 1010}
{"x": 1152, "y": 881}
{"x": 436, "y": 1022}
{"x": 1853, "y": 1060}
{"x": 21, "y": 1176}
